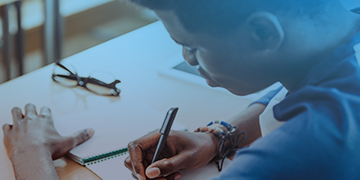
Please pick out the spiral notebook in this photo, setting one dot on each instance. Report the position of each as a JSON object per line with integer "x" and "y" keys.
{"x": 115, "y": 126}
{"x": 110, "y": 170}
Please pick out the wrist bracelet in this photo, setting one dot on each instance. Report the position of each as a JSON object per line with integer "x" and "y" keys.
{"x": 218, "y": 132}
{"x": 234, "y": 142}
{"x": 225, "y": 124}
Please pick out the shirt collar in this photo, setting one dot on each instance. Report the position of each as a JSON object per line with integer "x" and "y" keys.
{"x": 339, "y": 55}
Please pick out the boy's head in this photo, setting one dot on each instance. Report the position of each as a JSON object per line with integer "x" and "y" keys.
{"x": 244, "y": 45}
{"x": 219, "y": 17}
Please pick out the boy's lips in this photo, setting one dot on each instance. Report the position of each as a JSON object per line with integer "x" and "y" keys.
{"x": 210, "y": 82}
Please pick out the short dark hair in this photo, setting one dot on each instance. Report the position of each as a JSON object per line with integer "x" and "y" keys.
{"x": 221, "y": 16}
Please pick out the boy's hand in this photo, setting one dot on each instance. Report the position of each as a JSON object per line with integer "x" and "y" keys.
{"x": 183, "y": 150}
{"x": 34, "y": 131}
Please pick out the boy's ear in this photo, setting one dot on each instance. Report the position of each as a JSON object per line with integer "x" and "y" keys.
{"x": 266, "y": 30}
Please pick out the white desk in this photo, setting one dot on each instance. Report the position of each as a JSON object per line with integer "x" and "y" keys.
{"x": 132, "y": 58}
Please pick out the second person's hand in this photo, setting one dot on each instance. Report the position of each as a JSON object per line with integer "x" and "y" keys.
{"x": 33, "y": 130}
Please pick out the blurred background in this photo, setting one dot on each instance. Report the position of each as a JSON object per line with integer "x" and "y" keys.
{"x": 35, "y": 33}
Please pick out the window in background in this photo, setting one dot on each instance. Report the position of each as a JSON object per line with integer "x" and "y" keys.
{"x": 87, "y": 23}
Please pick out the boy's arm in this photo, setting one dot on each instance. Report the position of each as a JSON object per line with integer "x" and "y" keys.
{"x": 248, "y": 120}
{"x": 201, "y": 147}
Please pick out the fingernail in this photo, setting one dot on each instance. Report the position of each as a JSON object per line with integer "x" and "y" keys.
{"x": 177, "y": 177}
{"x": 90, "y": 132}
{"x": 153, "y": 172}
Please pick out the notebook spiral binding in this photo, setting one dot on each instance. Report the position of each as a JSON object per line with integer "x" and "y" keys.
{"x": 90, "y": 160}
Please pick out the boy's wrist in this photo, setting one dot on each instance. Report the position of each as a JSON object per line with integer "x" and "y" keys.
{"x": 215, "y": 142}
{"x": 227, "y": 143}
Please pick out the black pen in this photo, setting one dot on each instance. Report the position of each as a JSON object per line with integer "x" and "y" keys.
{"x": 165, "y": 130}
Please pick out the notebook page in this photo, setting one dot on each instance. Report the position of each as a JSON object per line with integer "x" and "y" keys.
{"x": 115, "y": 125}
{"x": 114, "y": 169}
{"x": 204, "y": 173}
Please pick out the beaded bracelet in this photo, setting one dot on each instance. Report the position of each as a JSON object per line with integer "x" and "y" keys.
{"x": 224, "y": 136}
{"x": 225, "y": 124}
{"x": 218, "y": 132}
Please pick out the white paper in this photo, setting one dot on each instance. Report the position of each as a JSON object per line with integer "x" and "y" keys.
{"x": 112, "y": 169}
{"x": 115, "y": 126}
{"x": 204, "y": 173}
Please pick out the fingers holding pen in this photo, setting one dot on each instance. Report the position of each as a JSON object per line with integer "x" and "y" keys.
{"x": 168, "y": 166}
{"x": 134, "y": 161}
{"x": 174, "y": 176}
{"x": 139, "y": 150}
{"x": 156, "y": 173}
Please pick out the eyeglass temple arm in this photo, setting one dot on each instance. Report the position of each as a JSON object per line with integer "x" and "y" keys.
{"x": 101, "y": 83}
{"x": 72, "y": 76}
{"x": 62, "y": 66}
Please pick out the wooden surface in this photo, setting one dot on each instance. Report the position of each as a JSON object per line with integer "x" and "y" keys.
{"x": 133, "y": 58}
{"x": 80, "y": 22}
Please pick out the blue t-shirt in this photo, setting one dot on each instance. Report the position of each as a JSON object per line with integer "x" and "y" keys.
{"x": 321, "y": 136}
{"x": 267, "y": 97}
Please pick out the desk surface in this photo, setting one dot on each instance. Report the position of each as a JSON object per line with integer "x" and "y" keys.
{"x": 133, "y": 58}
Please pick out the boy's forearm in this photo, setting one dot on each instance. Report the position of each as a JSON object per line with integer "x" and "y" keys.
{"x": 248, "y": 121}
{"x": 33, "y": 164}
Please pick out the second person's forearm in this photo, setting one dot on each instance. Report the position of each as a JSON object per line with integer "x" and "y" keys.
{"x": 33, "y": 164}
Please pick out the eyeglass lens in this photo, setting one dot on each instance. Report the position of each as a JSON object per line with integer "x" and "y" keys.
{"x": 101, "y": 83}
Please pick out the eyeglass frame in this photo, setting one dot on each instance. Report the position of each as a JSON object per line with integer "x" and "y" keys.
{"x": 82, "y": 81}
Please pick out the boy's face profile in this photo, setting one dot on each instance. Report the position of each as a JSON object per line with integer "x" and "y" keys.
{"x": 237, "y": 61}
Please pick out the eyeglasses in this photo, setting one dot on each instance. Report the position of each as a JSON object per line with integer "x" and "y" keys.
{"x": 99, "y": 83}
